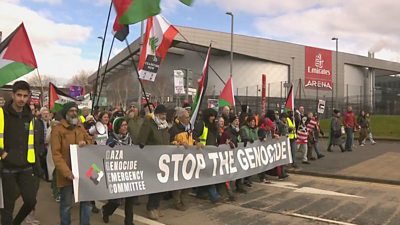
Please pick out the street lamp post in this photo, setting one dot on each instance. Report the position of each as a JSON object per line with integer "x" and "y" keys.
{"x": 292, "y": 72}
{"x": 231, "y": 67}
{"x": 337, "y": 73}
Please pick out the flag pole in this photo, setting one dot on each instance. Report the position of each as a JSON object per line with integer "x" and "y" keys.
{"x": 105, "y": 71}
{"x": 41, "y": 86}
{"x": 101, "y": 55}
{"x": 137, "y": 73}
{"x": 201, "y": 56}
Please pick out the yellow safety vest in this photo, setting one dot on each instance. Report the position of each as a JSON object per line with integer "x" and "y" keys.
{"x": 82, "y": 118}
{"x": 30, "y": 157}
{"x": 291, "y": 135}
{"x": 203, "y": 137}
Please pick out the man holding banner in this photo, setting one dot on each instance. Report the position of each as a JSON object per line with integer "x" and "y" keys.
{"x": 68, "y": 132}
{"x": 155, "y": 132}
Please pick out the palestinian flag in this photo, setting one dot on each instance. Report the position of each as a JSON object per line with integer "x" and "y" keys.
{"x": 133, "y": 11}
{"x": 16, "y": 56}
{"x": 227, "y": 98}
{"x": 187, "y": 2}
{"x": 201, "y": 90}
{"x": 58, "y": 98}
{"x": 159, "y": 36}
{"x": 120, "y": 31}
{"x": 289, "y": 105}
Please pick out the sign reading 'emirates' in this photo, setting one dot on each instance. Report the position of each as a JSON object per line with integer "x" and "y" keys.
{"x": 318, "y": 68}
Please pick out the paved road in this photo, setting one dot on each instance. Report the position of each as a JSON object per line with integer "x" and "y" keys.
{"x": 374, "y": 163}
{"x": 298, "y": 200}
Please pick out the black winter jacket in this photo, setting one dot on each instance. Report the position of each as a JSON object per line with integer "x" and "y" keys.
{"x": 16, "y": 131}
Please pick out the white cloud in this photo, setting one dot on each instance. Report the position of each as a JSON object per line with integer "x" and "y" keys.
{"x": 314, "y": 23}
{"x": 51, "y": 2}
{"x": 54, "y": 44}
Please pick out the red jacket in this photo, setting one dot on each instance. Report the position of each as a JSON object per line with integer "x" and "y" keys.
{"x": 349, "y": 120}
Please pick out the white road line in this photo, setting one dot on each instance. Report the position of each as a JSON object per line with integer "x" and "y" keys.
{"x": 318, "y": 219}
{"x": 136, "y": 217}
{"x": 308, "y": 190}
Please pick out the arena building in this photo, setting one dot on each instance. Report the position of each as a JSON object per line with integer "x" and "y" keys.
{"x": 362, "y": 81}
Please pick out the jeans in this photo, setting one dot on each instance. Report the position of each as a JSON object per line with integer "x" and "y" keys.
{"x": 293, "y": 149}
{"x": 316, "y": 148}
{"x": 211, "y": 190}
{"x": 15, "y": 183}
{"x": 303, "y": 148}
{"x": 349, "y": 138}
{"x": 66, "y": 204}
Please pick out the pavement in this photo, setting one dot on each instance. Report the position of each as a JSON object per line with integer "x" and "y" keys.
{"x": 377, "y": 163}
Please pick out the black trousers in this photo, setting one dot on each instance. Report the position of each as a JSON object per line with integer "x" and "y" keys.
{"x": 111, "y": 205}
{"x": 16, "y": 183}
{"x": 154, "y": 201}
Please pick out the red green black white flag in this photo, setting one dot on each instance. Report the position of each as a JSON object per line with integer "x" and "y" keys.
{"x": 201, "y": 90}
{"x": 227, "y": 98}
{"x": 57, "y": 98}
{"x": 120, "y": 31}
{"x": 16, "y": 56}
{"x": 289, "y": 105}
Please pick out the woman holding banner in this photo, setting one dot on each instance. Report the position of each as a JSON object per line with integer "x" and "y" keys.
{"x": 119, "y": 136}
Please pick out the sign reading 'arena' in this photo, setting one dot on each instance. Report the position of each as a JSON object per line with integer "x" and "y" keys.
{"x": 318, "y": 68}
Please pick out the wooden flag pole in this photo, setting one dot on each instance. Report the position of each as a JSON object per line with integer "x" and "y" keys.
{"x": 137, "y": 73}
{"x": 41, "y": 87}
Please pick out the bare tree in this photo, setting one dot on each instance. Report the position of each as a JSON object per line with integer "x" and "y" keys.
{"x": 81, "y": 78}
{"x": 34, "y": 80}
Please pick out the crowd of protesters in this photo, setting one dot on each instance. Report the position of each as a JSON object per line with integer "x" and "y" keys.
{"x": 159, "y": 126}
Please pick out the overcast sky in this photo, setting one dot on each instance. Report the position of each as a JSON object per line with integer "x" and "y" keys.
{"x": 64, "y": 32}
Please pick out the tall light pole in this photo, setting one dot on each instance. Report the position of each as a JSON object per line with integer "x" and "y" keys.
{"x": 231, "y": 68}
{"x": 292, "y": 72}
{"x": 337, "y": 73}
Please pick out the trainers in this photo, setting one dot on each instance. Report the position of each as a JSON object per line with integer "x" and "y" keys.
{"x": 321, "y": 156}
{"x": 362, "y": 145}
{"x": 159, "y": 213}
{"x": 305, "y": 162}
{"x": 152, "y": 214}
{"x": 312, "y": 158}
{"x": 374, "y": 142}
{"x": 30, "y": 219}
{"x": 58, "y": 198}
{"x": 180, "y": 207}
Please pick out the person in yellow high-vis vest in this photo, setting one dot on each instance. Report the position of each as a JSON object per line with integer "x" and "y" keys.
{"x": 292, "y": 137}
{"x": 18, "y": 157}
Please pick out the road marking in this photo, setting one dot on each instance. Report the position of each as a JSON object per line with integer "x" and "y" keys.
{"x": 318, "y": 219}
{"x": 136, "y": 217}
{"x": 309, "y": 190}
